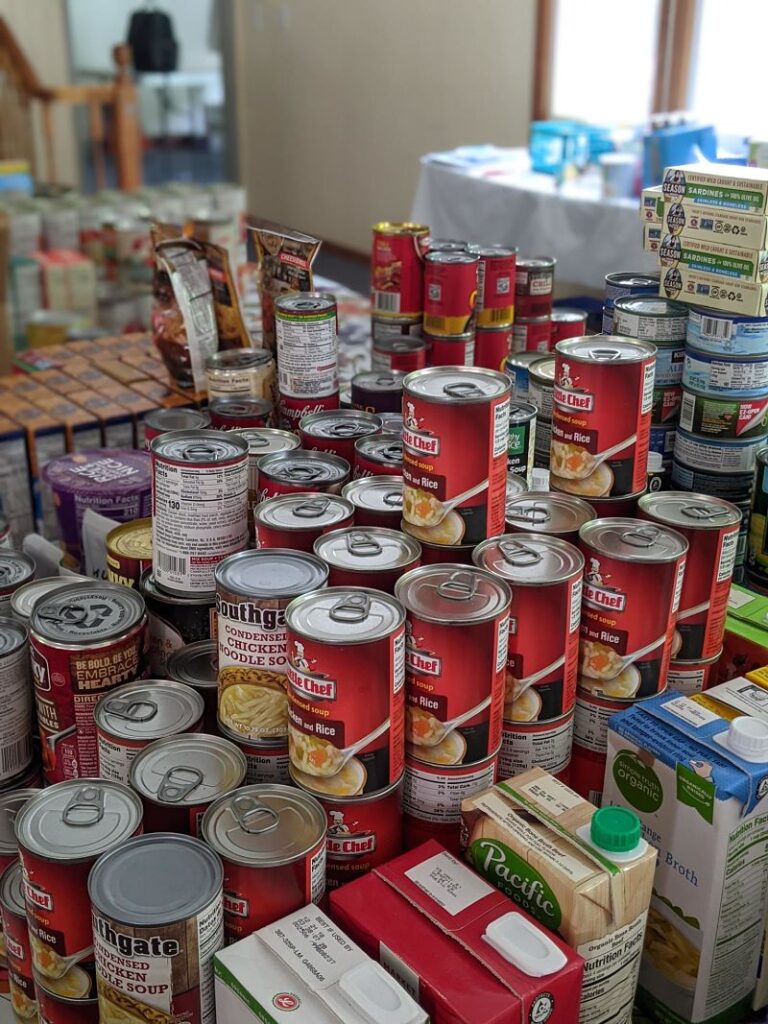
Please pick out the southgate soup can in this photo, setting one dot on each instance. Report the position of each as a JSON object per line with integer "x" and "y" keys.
{"x": 253, "y": 591}
{"x": 129, "y": 552}
{"x": 174, "y": 620}
{"x": 362, "y": 832}
{"x": 492, "y": 346}
{"x": 271, "y": 841}
{"x": 362, "y": 556}
{"x": 336, "y": 430}
{"x": 632, "y": 585}
{"x": 547, "y": 512}
{"x": 200, "y": 506}
{"x": 197, "y": 666}
{"x": 61, "y": 833}
{"x": 346, "y": 648}
{"x": 545, "y": 577}
{"x": 399, "y": 353}
{"x": 397, "y": 269}
{"x": 378, "y": 500}
{"x": 381, "y": 455}
{"x": 160, "y": 421}
{"x": 495, "y": 286}
{"x": 601, "y": 416}
{"x": 16, "y": 700}
{"x": 16, "y": 569}
{"x": 455, "y": 435}
{"x": 456, "y": 615}
{"x": 288, "y": 472}
{"x": 157, "y": 908}
{"x": 85, "y": 640}
{"x": 297, "y": 520}
{"x": 534, "y": 286}
{"x": 711, "y": 527}
{"x": 18, "y": 949}
{"x": 450, "y": 292}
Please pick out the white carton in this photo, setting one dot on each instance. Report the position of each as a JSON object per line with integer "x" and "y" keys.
{"x": 737, "y": 188}
{"x": 746, "y": 298}
{"x": 304, "y": 970}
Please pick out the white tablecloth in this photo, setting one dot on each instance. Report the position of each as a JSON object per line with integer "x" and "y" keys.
{"x": 507, "y": 203}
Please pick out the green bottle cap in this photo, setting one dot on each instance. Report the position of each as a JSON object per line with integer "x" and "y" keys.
{"x": 615, "y": 829}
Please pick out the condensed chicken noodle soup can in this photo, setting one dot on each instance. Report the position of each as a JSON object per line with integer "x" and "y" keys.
{"x": 200, "y": 506}
{"x": 266, "y": 761}
{"x": 601, "y": 416}
{"x": 632, "y": 585}
{"x": 253, "y": 591}
{"x": 346, "y": 675}
{"x": 455, "y": 435}
{"x": 306, "y": 328}
{"x": 158, "y": 920}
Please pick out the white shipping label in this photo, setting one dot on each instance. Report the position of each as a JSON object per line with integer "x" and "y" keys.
{"x": 451, "y": 884}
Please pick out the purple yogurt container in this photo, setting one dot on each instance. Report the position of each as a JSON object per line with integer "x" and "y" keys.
{"x": 115, "y": 482}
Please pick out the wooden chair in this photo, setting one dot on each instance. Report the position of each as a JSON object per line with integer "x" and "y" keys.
{"x": 20, "y": 87}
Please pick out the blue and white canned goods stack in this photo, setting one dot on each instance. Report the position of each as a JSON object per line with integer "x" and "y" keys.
{"x": 622, "y": 283}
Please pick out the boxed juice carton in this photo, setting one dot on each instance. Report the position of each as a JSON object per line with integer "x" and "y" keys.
{"x": 304, "y": 970}
{"x": 15, "y": 480}
{"x": 747, "y": 298}
{"x": 738, "y": 188}
{"x": 713, "y": 256}
{"x": 582, "y": 872}
{"x": 745, "y": 642}
{"x": 695, "y": 771}
{"x": 461, "y": 947}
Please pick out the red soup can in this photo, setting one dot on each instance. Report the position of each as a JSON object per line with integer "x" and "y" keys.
{"x": 545, "y": 745}
{"x": 547, "y": 512}
{"x": 455, "y": 435}
{"x": 711, "y": 527}
{"x": 378, "y": 500}
{"x": 377, "y": 392}
{"x": 18, "y": 950}
{"x": 397, "y": 269}
{"x": 306, "y": 331}
{"x": 632, "y": 585}
{"x": 534, "y": 286}
{"x": 296, "y": 520}
{"x": 439, "y": 554}
{"x": 363, "y": 832}
{"x": 545, "y": 576}
{"x": 693, "y": 676}
{"x": 380, "y": 455}
{"x": 492, "y": 346}
{"x": 368, "y": 556}
{"x": 290, "y": 472}
{"x": 336, "y": 431}
{"x": 601, "y": 416}
{"x": 346, "y": 648}
{"x": 240, "y": 411}
{"x": 568, "y": 323}
{"x": 401, "y": 354}
{"x": 57, "y": 1009}
{"x": 495, "y": 286}
{"x": 450, "y": 292}
{"x": 532, "y": 334}
{"x": 61, "y": 834}
{"x": 160, "y": 421}
{"x": 456, "y": 615}
{"x": 271, "y": 840}
{"x": 623, "y": 506}
{"x": 458, "y": 350}
{"x": 85, "y": 640}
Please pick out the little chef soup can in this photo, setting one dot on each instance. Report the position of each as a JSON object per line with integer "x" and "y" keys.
{"x": 288, "y": 472}
{"x": 601, "y": 416}
{"x": 378, "y": 500}
{"x": 200, "y": 506}
{"x": 456, "y": 616}
{"x": 380, "y": 455}
{"x": 336, "y": 430}
{"x": 61, "y": 833}
{"x": 157, "y": 910}
{"x": 545, "y": 577}
{"x": 296, "y": 520}
{"x": 711, "y": 527}
{"x": 547, "y": 512}
{"x": 85, "y": 640}
{"x": 13, "y": 912}
{"x": 632, "y": 585}
{"x": 346, "y": 650}
{"x": 271, "y": 840}
{"x": 361, "y": 556}
{"x": 455, "y": 434}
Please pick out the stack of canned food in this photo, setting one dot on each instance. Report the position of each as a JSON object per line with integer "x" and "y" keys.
{"x": 622, "y": 283}
{"x": 534, "y": 295}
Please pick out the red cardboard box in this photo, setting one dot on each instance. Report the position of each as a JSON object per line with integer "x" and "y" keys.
{"x": 463, "y": 949}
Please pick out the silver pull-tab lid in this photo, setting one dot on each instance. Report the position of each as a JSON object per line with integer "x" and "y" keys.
{"x": 460, "y": 586}
{"x": 363, "y": 545}
{"x": 252, "y": 816}
{"x": 85, "y": 808}
{"x": 312, "y": 508}
{"x": 178, "y": 782}
{"x": 131, "y": 710}
{"x": 518, "y": 554}
{"x": 351, "y": 609}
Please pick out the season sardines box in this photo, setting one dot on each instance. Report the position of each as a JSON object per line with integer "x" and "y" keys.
{"x": 695, "y": 771}
{"x": 303, "y": 969}
{"x": 738, "y": 188}
{"x": 466, "y": 951}
{"x": 720, "y": 257}
{"x": 746, "y": 298}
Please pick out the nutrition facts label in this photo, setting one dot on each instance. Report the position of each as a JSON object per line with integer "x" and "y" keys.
{"x": 612, "y": 964}
{"x": 548, "y": 748}
{"x": 432, "y": 796}
{"x": 15, "y": 714}
{"x": 307, "y": 356}
{"x": 590, "y": 725}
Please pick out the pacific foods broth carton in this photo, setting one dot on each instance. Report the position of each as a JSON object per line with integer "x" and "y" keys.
{"x": 584, "y": 873}
{"x": 695, "y": 770}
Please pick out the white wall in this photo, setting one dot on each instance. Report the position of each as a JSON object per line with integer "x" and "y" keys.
{"x": 338, "y": 99}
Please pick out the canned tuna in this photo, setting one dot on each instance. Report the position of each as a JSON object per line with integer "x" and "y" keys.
{"x": 723, "y": 418}
{"x": 726, "y": 375}
{"x": 714, "y": 455}
{"x": 709, "y": 330}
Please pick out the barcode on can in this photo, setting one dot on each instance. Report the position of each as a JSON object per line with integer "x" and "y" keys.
{"x": 687, "y": 406}
{"x": 14, "y": 757}
{"x": 712, "y": 327}
{"x": 386, "y": 302}
{"x": 171, "y": 563}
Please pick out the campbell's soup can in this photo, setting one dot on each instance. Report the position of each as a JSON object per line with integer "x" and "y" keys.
{"x": 532, "y": 334}
{"x": 129, "y": 552}
{"x": 61, "y": 833}
{"x": 85, "y": 640}
{"x": 693, "y": 676}
{"x": 457, "y": 350}
{"x": 601, "y": 416}
{"x": 362, "y": 832}
{"x": 492, "y": 346}
{"x": 632, "y": 585}
{"x": 157, "y": 907}
{"x": 271, "y": 841}
{"x": 545, "y": 745}
{"x": 266, "y": 761}
{"x": 711, "y": 527}
{"x": 397, "y": 269}
{"x": 296, "y": 520}
{"x": 18, "y": 949}
{"x": 160, "y": 421}
{"x": 367, "y": 556}
{"x": 495, "y": 306}
{"x": 450, "y": 292}
{"x": 568, "y": 323}
{"x": 238, "y": 412}
{"x": 378, "y": 500}
{"x": 456, "y": 616}
{"x": 289, "y": 472}
{"x": 336, "y": 431}
{"x": 399, "y": 353}
{"x": 549, "y": 513}
{"x": 376, "y": 391}
{"x": 306, "y": 331}
{"x": 545, "y": 576}
{"x": 346, "y": 653}
{"x": 455, "y": 435}
{"x": 380, "y": 455}
{"x": 534, "y": 286}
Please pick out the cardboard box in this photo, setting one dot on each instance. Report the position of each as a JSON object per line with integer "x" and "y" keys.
{"x": 712, "y": 223}
{"x": 530, "y": 837}
{"x": 46, "y": 440}
{"x": 122, "y": 372}
{"x": 652, "y": 236}
{"x": 162, "y": 395}
{"x": 745, "y": 642}
{"x": 85, "y": 372}
{"x": 742, "y": 297}
{"x": 303, "y": 969}
{"x": 116, "y": 423}
{"x": 459, "y": 943}
{"x": 711, "y": 256}
{"x": 651, "y": 205}
{"x": 676, "y": 761}
{"x": 738, "y": 188}
{"x": 83, "y": 428}
{"x": 15, "y": 481}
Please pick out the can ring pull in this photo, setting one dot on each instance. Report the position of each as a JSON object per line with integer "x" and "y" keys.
{"x": 245, "y": 809}
{"x": 89, "y": 802}
{"x": 200, "y": 453}
{"x": 641, "y": 537}
{"x": 347, "y": 429}
{"x": 519, "y": 554}
{"x": 179, "y": 782}
{"x": 394, "y": 499}
{"x": 393, "y": 452}
{"x": 302, "y": 473}
{"x": 312, "y": 508}
{"x": 354, "y": 608}
{"x": 362, "y": 544}
{"x": 460, "y": 586}
{"x": 131, "y": 710}
{"x": 538, "y": 513}
{"x": 463, "y": 389}
{"x": 605, "y": 354}
{"x": 703, "y": 511}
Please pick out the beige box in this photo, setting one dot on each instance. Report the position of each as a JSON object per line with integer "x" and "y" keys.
{"x": 715, "y": 224}
{"x": 711, "y": 256}
{"x": 743, "y": 297}
{"x": 652, "y": 236}
{"x": 740, "y": 188}
{"x": 651, "y": 205}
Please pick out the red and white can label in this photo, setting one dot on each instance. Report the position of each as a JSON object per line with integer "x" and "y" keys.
{"x": 450, "y": 293}
{"x": 452, "y": 351}
{"x": 532, "y": 335}
{"x": 265, "y": 764}
{"x": 15, "y": 714}
{"x": 496, "y": 291}
{"x": 433, "y": 794}
{"x": 704, "y": 599}
{"x": 361, "y": 835}
{"x": 307, "y": 354}
{"x": 398, "y": 274}
{"x": 20, "y": 974}
{"x": 544, "y": 745}
{"x": 492, "y": 347}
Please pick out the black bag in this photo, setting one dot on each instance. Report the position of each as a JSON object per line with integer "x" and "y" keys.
{"x": 150, "y": 36}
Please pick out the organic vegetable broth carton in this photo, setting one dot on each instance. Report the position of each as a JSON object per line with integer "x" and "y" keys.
{"x": 584, "y": 873}
{"x": 695, "y": 770}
